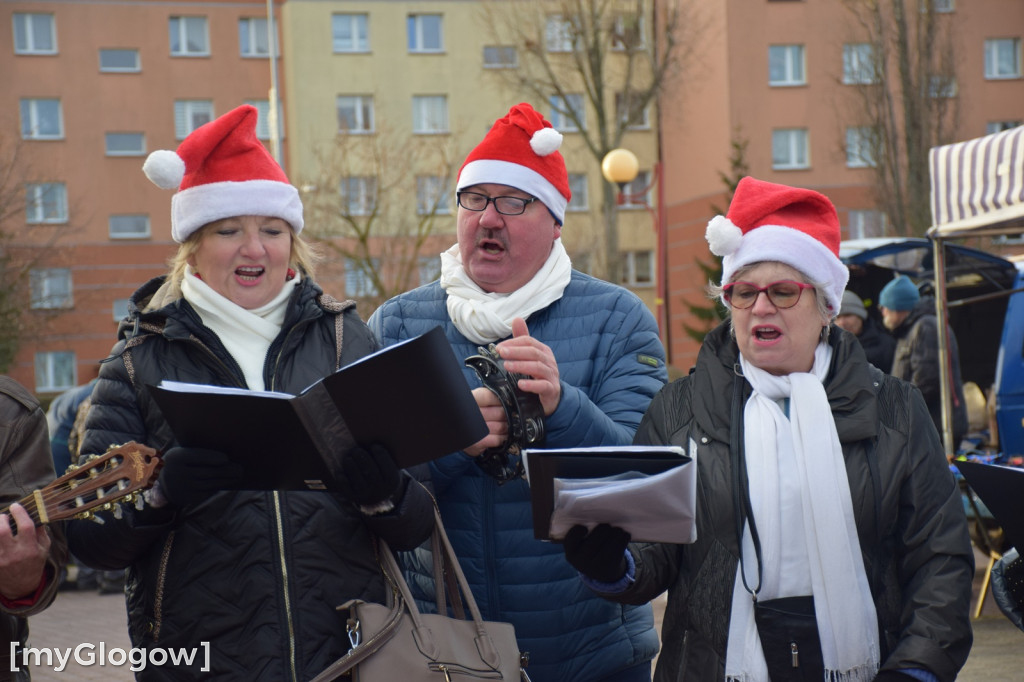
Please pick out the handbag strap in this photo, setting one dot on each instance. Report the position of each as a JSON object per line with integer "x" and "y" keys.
{"x": 365, "y": 649}
{"x": 741, "y": 485}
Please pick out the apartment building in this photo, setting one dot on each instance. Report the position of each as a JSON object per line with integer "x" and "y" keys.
{"x": 778, "y": 74}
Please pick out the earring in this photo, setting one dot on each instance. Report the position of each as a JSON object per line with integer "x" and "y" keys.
{"x": 290, "y": 275}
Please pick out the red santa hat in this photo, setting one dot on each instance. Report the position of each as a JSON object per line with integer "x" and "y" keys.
{"x": 521, "y": 151}
{"x": 791, "y": 225}
{"x": 222, "y": 170}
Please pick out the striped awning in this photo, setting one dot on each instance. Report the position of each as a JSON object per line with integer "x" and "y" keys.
{"x": 978, "y": 186}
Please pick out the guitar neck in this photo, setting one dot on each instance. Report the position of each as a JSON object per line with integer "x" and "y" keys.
{"x": 31, "y": 506}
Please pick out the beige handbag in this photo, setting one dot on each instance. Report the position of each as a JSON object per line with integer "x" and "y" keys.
{"x": 398, "y": 643}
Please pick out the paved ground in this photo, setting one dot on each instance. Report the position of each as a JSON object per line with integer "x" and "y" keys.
{"x": 90, "y": 618}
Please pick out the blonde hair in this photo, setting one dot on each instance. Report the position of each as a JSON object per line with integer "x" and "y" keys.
{"x": 304, "y": 256}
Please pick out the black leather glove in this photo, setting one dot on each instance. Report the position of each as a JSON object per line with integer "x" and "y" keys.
{"x": 599, "y": 554}
{"x": 190, "y": 475}
{"x": 370, "y": 478}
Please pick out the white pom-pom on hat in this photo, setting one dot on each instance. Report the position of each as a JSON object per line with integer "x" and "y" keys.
{"x": 546, "y": 141}
{"x": 723, "y": 236}
{"x": 164, "y": 168}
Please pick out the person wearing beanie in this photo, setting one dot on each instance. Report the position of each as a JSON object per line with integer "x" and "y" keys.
{"x": 878, "y": 344}
{"x": 591, "y": 355}
{"x": 255, "y": 576}
{"x": 831, "y": 538}
{"x": 911, "y": 320}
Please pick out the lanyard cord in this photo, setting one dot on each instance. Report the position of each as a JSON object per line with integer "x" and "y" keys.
{"x": 741, "y": 490}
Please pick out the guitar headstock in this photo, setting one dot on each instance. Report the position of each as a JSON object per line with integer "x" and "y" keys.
{"x": 103, "y": 480}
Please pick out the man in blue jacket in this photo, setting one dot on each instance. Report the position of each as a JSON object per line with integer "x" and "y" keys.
{"x": 592, "y": 352}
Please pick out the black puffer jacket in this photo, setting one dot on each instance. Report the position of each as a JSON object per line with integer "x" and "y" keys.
{"x": 909, "y": 516}
{"x": 256, "y": 574}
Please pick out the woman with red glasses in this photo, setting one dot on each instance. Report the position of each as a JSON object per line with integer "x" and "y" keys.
{"x": 831, "y": 538}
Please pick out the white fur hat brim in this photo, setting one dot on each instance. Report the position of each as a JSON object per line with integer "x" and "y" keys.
{"x": 493, "y": 171}
{"x": 196, "y": 206}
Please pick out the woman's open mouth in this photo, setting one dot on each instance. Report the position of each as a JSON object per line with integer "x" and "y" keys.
{"x": 249, "y": 273}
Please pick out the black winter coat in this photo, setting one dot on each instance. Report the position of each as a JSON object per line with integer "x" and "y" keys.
{"x": 907, "y": 507}
{"x": 256, "y": 574}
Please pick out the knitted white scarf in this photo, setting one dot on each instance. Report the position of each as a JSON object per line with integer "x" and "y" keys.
{"x": 484, "y": 317}
{"x": 801, "y": 502}
{"x": 246, "y": 334}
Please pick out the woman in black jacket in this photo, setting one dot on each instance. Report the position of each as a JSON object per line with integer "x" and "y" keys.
{"x": 822, "y": 488}
{"x": 248, "y": 581}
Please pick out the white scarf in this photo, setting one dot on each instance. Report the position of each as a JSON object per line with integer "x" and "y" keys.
{"x": 484, "y": 317}
{"x": 246, "y": 334}
{"x": 800, "y": 497}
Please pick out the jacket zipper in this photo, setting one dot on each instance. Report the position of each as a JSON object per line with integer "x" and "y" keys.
{"x": 285, "y": 586}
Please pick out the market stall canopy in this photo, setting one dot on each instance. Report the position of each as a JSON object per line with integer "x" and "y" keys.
{"x": 978, "y": 186}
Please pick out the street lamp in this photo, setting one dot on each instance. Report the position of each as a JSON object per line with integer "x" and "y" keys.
{"x": 621, "y": 167}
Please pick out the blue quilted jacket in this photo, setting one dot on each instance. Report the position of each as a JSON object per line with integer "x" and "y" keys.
{"x": 611, "y": 364}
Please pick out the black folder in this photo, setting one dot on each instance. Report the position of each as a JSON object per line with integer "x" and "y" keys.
{"x": 544, "y": 466}
{"x": 1002, "y": 490}
{"x": 411, "y": 397}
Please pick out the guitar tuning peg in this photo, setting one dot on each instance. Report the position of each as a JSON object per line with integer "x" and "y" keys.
{"x": 97, "y": 519}
{"x": 118, "y": 513}
{"x": 139, "y": 502}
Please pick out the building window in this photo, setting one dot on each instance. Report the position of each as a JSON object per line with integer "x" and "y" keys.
{"x": 51, "y": 288}
{"x": 789, "y": 149}
{"x": 432, "y": 195}
{"x": 424, "y": 33}
{"x": 46, "y": 202}
{"x": 568, "y": 114}
{"x": 189, "y": 37}
{"x": 632, "y": 112}
{"x": 252, "y": 37}
{"x": 500, "y": 57}
{"x": 1002, "y": 58}
{"x": 866, "y": 224}
{"x": 637, "y": 194}
{"x": 358, "y": 282}
{"x": 34, "y": 34}
{"x": 129, "y": 226}
{"x": 559, "y": 34}
{"x": 942, "y": 5}
{"x": 999, "y": 126}
{"x": 189, "y": 114}
{"x": 263, "y": 118}
{"x": 41, "y": 119}
{"x": 942, "y": 86}
{"x": 120, "y": 309}
{"x": 359, "y": 195}
{"x": 120, "y": 61}
{"x": 125, "y": 144}
{"x": 858, "y": 64}
{"x": 55, "y": 371}
{"x": 355, "y": 114}
{"x": 628, "y": 32}
{"x": 578, "y": 189}
{"x": 786, "y": 65}
{"x": 429, "y": 269}
{"x": 350, "y": 33}
{"x": 429, "y": 114}
{"x": 860, "y": 148}
{"x": 637, "y": 268}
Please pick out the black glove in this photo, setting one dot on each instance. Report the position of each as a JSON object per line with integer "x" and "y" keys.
{"x": 599, "y": 554}
{"x": 369, "y": 477}
{"x": 190, "y": 475}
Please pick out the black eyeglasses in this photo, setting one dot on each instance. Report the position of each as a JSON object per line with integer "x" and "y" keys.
{"x": 782, "y": 294}
{"x": 473, "y": 201}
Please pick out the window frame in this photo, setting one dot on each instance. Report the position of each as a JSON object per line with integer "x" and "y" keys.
{"x": 861, "y": 223}
{"x": 579, "y": 201}
{"x": 433, "y": 196}
{"x": 503, "y": 50}
{"x": 420, "y": 116}
{"x": 792, "y": 63}
{"x": 39, "y": 203}
{"x": 559, "y": 34}
{"x": 860, "y": 147}
{"x": 51, "y": 289}
{"x": 118, "y": 236}
{"x": 797, "y": 137}
{"x": 563, "y": 123}
{"x": 645, "y": 121}
{"x": 636, "y": 194}
{"x": 30, "y": 118}
{"x": 30, "y": 33}
{"x": 119, "y": 304}
{"x": 859, "y": 64}
{"x": 415, "y": 35}
{"x": 628, "y": 260}
{"x": 365, "y": 201}
{"x": 361, "y": 104}
{"x": 49, "y": 365}
{"x": 619, "y": 31}
{"x": 251, "y": 34}
{"x": 184, "y": 112}
{"x": 138, "y": 60}
{"x": 139, "y": 151}
{"x": 357, "y": 282}
{"x": 993, "y": 59}
{"x": 360, "y": 42}
{"x": 179, "y": 24}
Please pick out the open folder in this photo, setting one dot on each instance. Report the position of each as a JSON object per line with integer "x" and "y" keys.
{"x": 649, "y": 491}
{"x": 1002, "y": 490}
{"x": 411, "y": 397}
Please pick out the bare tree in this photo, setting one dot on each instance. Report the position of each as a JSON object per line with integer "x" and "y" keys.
{"x": 359, "y": 205}
{"x": 23, "y": 248}
{"x": 905, "y": 85}
{"x": 619, "y": 54}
